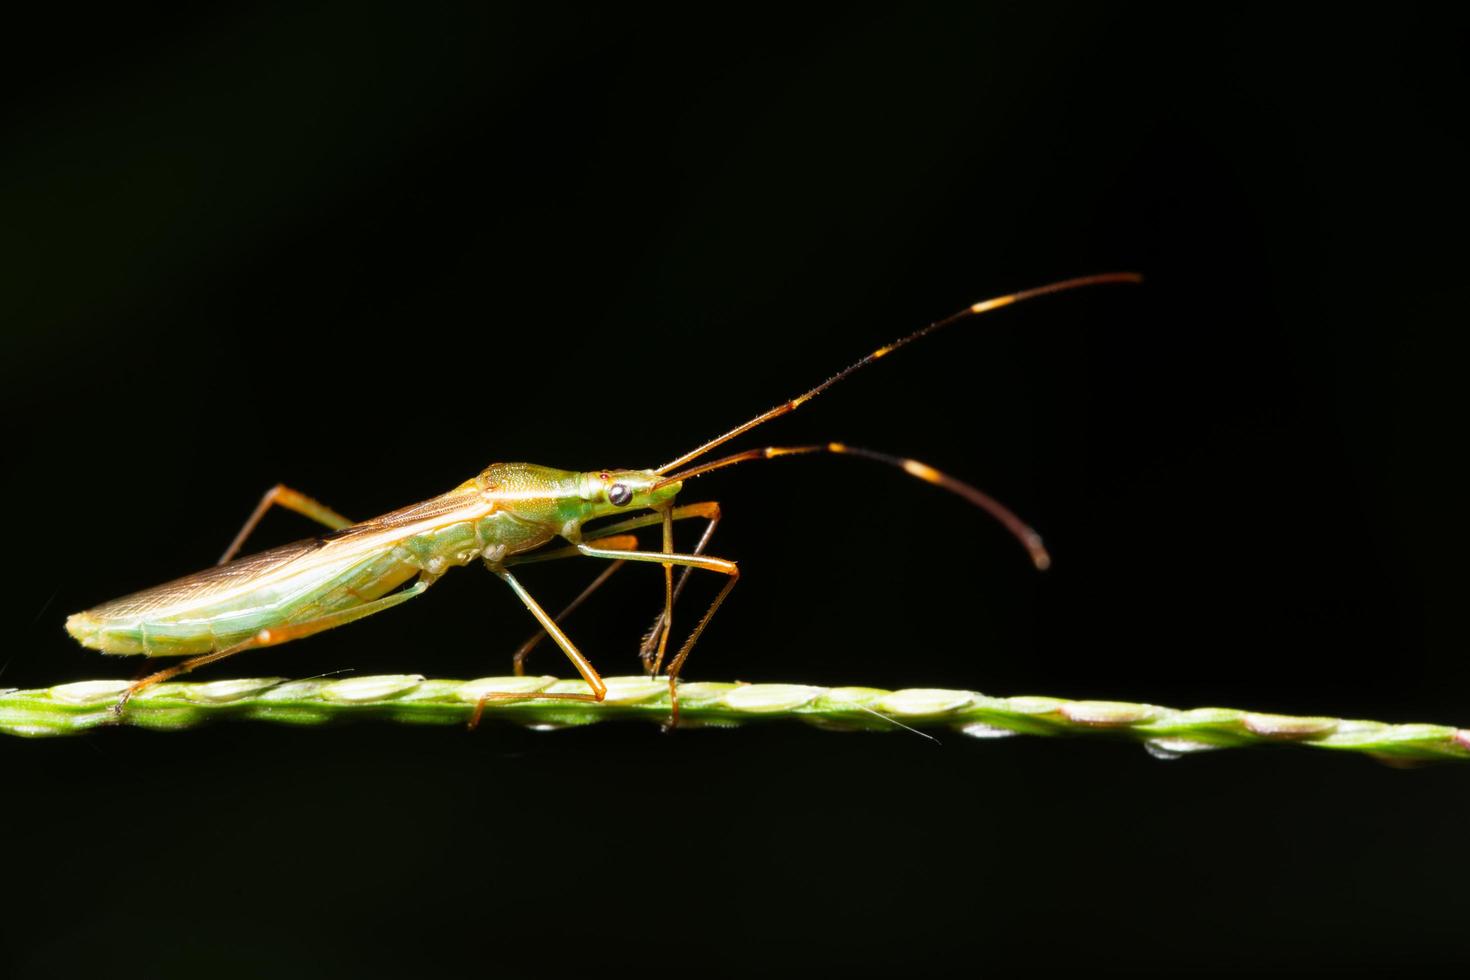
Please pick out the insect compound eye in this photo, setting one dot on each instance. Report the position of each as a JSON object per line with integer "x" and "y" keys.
{"x": 619, "y": 494}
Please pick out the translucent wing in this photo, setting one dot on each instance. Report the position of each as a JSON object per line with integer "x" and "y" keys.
{"x": 208, "y": 583}
{"x": 348, "y": 545}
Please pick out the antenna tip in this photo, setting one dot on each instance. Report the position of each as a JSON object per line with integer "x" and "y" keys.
{"x": 1040, "y": 557}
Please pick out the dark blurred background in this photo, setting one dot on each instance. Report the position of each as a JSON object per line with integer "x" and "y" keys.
{"x": 366, "y": 251}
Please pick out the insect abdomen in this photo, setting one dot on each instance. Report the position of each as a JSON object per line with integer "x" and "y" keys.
{"x": 210, "y": 626}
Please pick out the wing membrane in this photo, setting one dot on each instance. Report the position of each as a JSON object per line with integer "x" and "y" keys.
{"x": 210, "y": 582}
{"x": 345, "y": 546}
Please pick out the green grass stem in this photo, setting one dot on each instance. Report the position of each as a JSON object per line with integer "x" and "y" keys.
{"x": 70, "y": 709}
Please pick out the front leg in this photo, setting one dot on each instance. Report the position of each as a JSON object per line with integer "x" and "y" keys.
{"x": 655, "y": 641}
{"x": 709, "y": 510}
{"x": 706, "y": 562}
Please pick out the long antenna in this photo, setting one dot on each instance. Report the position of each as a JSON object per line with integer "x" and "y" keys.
{"x": 984, "y": 306}
{"x": 1019, "y": 529}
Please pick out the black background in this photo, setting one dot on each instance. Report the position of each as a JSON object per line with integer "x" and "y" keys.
{"x": 366, "y": 252}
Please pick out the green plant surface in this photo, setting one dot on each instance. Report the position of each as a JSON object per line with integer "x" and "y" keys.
{"x": 69, "y": 709}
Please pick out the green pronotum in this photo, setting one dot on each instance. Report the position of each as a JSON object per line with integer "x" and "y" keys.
{"x": 411, "y": 699}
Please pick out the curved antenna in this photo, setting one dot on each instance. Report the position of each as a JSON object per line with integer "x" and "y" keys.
{"x": 1019, "y": 529}
{"x": 984, "y": 306}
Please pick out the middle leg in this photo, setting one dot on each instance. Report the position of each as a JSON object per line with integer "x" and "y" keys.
{"x": 624, "y": 542}
{"x": 584, "y": 667}
{"x": 709, "y": 510}
{"x": 706, "y": 562}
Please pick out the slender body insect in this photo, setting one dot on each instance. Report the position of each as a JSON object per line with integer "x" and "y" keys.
{"x": 510, "y": 514}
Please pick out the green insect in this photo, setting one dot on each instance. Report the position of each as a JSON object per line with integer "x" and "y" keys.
{"x": 510, "y": 514}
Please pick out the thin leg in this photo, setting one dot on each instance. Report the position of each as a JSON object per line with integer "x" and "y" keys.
{"x": 651, "y": 664}
{"x": 583, "y": 665}
{"x": 707, "y": 509}
{"x": 705, "y": 562}
{"x": 668, "y": 613}
{"x": 274, "y": 635}
{"x": 623, "y": 542}
{"x": 677, "y": 664}
{"x": 283, "y": 496}
{"x": 704, "y": 508}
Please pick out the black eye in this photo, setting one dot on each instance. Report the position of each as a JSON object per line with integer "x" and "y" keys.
{"x": 619, "y": 494}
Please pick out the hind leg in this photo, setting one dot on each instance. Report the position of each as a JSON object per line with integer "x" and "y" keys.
{"x": 274, "y": 635}
{"x": 281, "y": 495}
